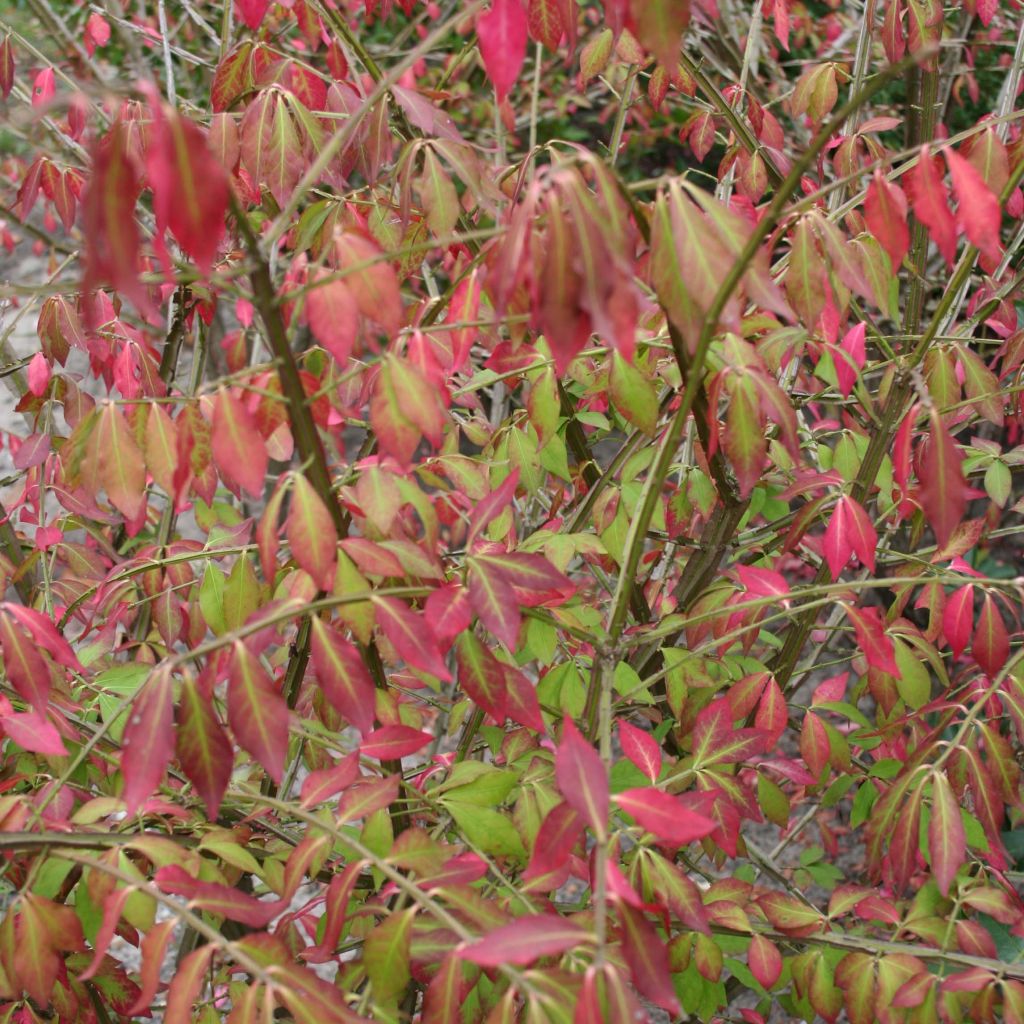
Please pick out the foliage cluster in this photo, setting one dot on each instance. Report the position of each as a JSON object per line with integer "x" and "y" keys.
{"x": 513, "y": 511}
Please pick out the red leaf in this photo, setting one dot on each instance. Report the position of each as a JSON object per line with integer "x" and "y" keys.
{"x": 495, "y": 503}
{"x": 582, "y": 778}
{"x": 333, "y": 315}
{"x": 238, "y": 448}
{"x": 24, "y": 664}
{"x": 849, "y": 358}
{"x": 502, "y": 35}
{"x": 222, "y": 900}
{"x": 849, "y": 532}
{"x": 947, "y": 844}
{"x": 525, "y": 940}
{"x": 764, "y": 960}
{"x": 701, "y": 135}
{"x": 318, "y": 787}
{"x": 558, "y": 834}
{"x": 978, "y": 212}
{"x": 154, "y": 945}
{"x": 991, "y": 645}
{"x": 336, "y": 901}
{"x": 522, "y": 704}
{"x": 958, "y": 618}
{"x": 931, "y": 207}
{"x": 186, "y": 984}
{"x": 252, "y": 12}
{"x": 345, "y": 679}
{"x": 760, "y": 582}
{"x": 495, "y": 602}
{"x": 257, "y": 713}
{"x": 498, "y": 688}
{"x": 408, "y": 633}
{"x": 32, "y": 732}
{"x": 116, "y": 464}
{"x": 405, "y": 407}
{"x": 108, "y": 221}
{"x": 203, "y": 746}
{"x": 448, "y": 612}
{"x": 190, "y": 188}
{"x": 647, "y": 956}
{"x": 545, "y": 22}
{"x": 148, "y": 741}
{"x": 271, "y": 143}
{"x": 943, "y": 490}
{"x": 535, "y": 579}
{"x": 872, "y": 639}
{"x": 665, "y": 816}
{"x": 371, "y": 280}
{"x": 885, "y": 210}
{"x": 366, "y": 796}
{"x": 310, "y": 532}
{"x": 772, "y": 714}
{"x": 44, "y": 87}
{"x": 717, "y": 741}
{"x": 815, "y": 748}
{"x": 641, "y": 748}
{"x": 392, "y": 742}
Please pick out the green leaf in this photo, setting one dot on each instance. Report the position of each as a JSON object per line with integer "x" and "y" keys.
{"x": 633, "y": 395}
{"x": 386, "y": 955}
{"x": 487, "y": 829}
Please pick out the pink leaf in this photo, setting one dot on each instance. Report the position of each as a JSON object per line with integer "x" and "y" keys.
{"x": 34, "y": 733}
{"x": 408, "y": 633}
{"x": 958, "y": 618}
{"x": 502, "y": 34}
{"x": 238, "y": 448}
{"x": 947, "y": 842}
{"x": 641, "y": 748}
{"x": 991, "y": 645}
{"x": 885, "y": 210}
{"x": 558, "y": 834}
{"x": 872, "y": 639}
{"x": 665, "y": 816}
{"x": 860, "y": 533}
{"x": 343, "y": 675}
{"x": 43, "y": 89}
{"x": 760, "y": 582}
{"x": 319, "y": 786}
{"x": 931, "y": 206}
{"x": 647, "y": 956}
{"x": 252, "y": 12}
{"x": 943, "y": 490}
{"x": 582, "y": 778}
{"x": 148, "y": 741}
{"x": 978, "y": 212}
{"x": 310, "y": 532}
{"x": 257, "y": 713}
{"x": 392, "y": 742}
{"x": 222, "y": 900}
{"x": 448, "y": 612}
{"x": 764, "y": 960}
{"x": 849, "y": 358}
{"x": 525, "y": 940}
{"x": 38, "y": 375}
{"x": 333, "y": 316}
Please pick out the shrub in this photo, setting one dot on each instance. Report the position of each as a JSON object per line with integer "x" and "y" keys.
{"x": 513, "y": 511}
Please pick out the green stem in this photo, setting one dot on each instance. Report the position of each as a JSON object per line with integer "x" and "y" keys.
{"x": 694, "y": 380}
